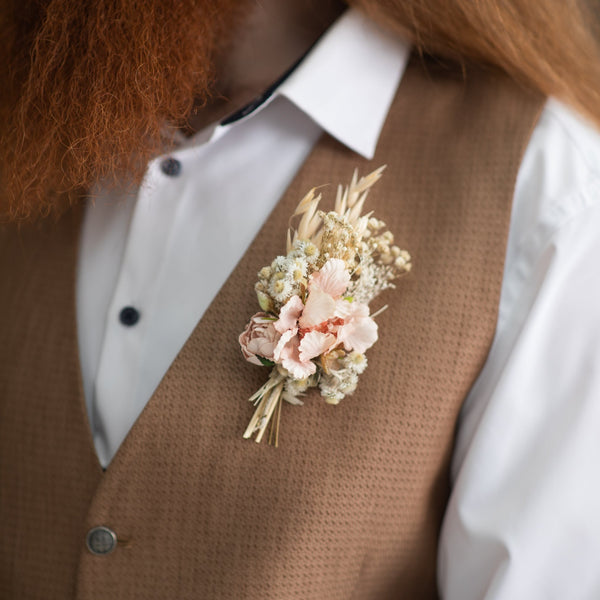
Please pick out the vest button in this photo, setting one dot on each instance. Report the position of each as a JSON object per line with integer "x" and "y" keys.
{"x": 101, "y": 541}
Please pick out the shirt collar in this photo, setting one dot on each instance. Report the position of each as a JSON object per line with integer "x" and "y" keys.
{"x": 347, "y": 82}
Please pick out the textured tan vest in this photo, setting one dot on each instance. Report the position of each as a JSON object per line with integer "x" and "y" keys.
{"x": 350, "y": 504}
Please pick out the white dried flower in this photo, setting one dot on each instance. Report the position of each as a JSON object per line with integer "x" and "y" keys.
{"x": 298, "y": 269}
{"x": 338, "y": 384}
{"x": 386, "y": 258}
{"x": 331, "y": 394}
{"x": 306, "y": 250}
{"x": 355, "y": 361}
{"x": 294, "y": 388}
{"x": 348, "y": 381}
{"x": 280, "y": 289}
{"x": 279, "y": 264}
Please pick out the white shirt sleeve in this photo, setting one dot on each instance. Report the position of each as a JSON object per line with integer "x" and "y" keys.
{"x": 523, "y": 519}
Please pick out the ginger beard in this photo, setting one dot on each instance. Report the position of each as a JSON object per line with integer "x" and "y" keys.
{"x": 90, "y": 87}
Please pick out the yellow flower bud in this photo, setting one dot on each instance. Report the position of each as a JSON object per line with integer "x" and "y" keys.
{"x": 264, "y": 301}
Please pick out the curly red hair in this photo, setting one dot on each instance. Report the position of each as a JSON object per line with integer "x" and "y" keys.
{"x": 90, "y": 86}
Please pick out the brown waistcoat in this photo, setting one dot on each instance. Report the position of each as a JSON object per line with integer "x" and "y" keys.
{"x": 350, "y": 504}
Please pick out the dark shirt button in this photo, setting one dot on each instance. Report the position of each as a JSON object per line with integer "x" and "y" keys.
{"x": 101, "y": 541}
{"x": 171, "y": 167}
{"x": 129, "y": 316}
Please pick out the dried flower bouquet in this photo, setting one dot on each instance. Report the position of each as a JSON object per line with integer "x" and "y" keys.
{"x": 315, "y": 326}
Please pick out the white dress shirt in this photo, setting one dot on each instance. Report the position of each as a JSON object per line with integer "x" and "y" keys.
{"x": 522, "y": 520}
{"x": 524, "y": 516}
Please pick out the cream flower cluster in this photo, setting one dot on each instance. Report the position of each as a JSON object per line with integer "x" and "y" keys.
{"x": 287, "y": 276}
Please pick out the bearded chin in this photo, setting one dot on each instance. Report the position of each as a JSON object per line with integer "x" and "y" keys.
{"x": 91, "y": 86}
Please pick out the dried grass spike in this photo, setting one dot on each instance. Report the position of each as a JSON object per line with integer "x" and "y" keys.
{"x": 340, "y": 199}
{"x": 305, "y": 202}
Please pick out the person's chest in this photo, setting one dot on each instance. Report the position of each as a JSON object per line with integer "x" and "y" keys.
{"x": 354, "y": 492}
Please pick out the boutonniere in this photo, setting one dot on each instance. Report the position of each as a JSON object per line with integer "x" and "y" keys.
{"x": 315, "y": 325}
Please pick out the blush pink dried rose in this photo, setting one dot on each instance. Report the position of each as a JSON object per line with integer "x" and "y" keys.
{"x": 259, "y": 338}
